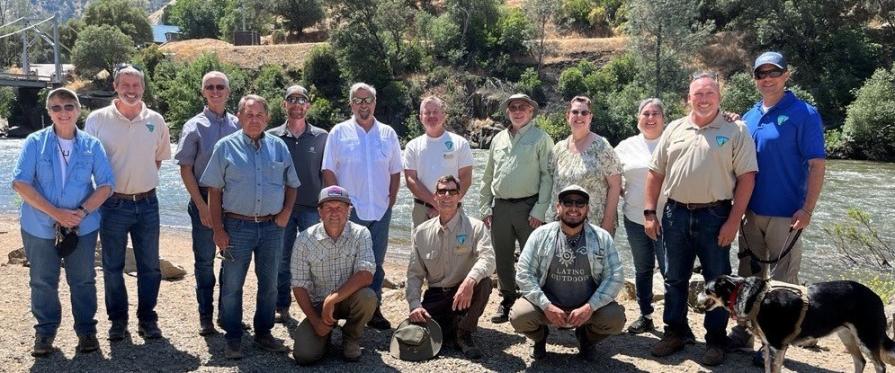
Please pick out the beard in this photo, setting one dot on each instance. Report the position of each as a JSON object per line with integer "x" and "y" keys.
{"x": 571, "y": 223}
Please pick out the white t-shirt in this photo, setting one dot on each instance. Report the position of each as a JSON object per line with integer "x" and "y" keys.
{"x": 64, "y": 151}
{"x": 635, "y": 154}
{"x": 433, "y": 158}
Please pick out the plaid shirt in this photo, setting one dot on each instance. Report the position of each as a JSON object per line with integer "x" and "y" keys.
{"x": 321, "y": 265}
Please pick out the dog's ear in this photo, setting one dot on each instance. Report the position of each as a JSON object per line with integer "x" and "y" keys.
{"x": 753, "y": 284}
{"x": 721, "y": 286}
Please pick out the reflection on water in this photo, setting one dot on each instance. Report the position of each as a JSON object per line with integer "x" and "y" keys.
{"x": 849, "y": 184}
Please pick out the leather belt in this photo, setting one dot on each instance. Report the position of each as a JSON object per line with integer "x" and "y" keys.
{"x": 697, "y": 206}
{"x": 136, "y": 196}
{"x": 443, "y": 290}
{"x": 424, "y": 203}
{"x": 514, "y": 200}
{"x": 256, "y": 219}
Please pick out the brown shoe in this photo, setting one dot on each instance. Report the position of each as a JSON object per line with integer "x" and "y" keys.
{"x": 351, "y": 350}
{"x": 233, "y": 349}
{"x": 268, "y": 343}
{"x": 467, "y": 346}
{"x": 714, "y": 355}
{"x": 669, "y": 344}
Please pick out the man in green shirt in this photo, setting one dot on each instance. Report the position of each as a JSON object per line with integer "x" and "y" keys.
{"x": 515, "y": 191}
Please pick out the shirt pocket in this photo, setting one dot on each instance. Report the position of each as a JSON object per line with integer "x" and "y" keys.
{"x": 81, "y": 171}
{"x": 433, "y": 263}
{"x": 44, "y": 172}
{"x": 274, "y": 173}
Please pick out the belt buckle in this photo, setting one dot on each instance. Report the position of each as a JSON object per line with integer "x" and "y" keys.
{"x": 134, "y": 197}
{"x": 256, "y": 219}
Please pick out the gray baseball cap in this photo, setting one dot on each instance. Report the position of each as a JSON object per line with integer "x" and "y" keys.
{"x": 574, "y": 189}
{"x": 65, "y": 93}
{"x": 770, "y": 58}
{"x": 333, "y": 193}
{"x": 297, "y": 90}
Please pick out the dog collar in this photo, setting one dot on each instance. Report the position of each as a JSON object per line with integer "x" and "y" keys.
{"x": 732, "y": 301}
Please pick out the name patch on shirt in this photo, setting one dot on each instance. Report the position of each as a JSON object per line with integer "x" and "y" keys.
{"x": 449, "y": 145}
{"x": 721, "y": 140}
{"x": 150, "y": 127}
{"x": 782, "y": 119}
{"x": 461, "y": 238}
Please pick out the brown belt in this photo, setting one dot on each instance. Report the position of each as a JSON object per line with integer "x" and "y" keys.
{"x": 256, "y": 219}
{"x": 135, "y": 197}
{"x": 424, "y": 203}
{"x": 697, "y": 206}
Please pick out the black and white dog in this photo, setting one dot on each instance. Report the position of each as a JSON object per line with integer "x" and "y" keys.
{"x": 778, "y": 315}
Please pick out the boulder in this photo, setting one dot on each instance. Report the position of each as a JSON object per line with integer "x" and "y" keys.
{"x": 630, "y": 290}
{"x": 169, "y": 270}
{"x": 17, "y": 257}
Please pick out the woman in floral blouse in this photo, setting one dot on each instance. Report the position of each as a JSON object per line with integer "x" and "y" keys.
{"x": 587, "y": 159}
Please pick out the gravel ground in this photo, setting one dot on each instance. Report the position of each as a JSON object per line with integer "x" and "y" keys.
{"x": 182, "y": 349}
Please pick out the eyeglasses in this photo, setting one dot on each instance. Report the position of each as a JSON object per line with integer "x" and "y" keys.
{"x": 215, "y": 87}
{"x": 519, "y": 107}
{"x": 296, "y": 100}
{"x": 447, "y": 192}
{"x": 363, "y": 100}
{"x": 773, "y": 73}
{"x": 66, "y": 107}
{"x": 569, "y": 202}
{"x": 582, "y": 113}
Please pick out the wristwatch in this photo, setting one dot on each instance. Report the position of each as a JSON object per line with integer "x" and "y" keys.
{"x": 649, "y": 212}
{"x": 82, "y": 208}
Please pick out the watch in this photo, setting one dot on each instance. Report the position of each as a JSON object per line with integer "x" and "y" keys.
{"x": 649, "y": 212}
{"x": 82, "y": 208}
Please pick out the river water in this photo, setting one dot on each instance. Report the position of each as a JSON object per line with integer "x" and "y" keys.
{"x": 849, "y": 184}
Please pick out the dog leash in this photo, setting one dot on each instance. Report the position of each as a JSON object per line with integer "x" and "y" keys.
{"x": 755, "y": 261}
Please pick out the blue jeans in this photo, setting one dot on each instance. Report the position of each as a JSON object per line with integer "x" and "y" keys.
{"x": 379, "y": 234}
{"x": 203, "y": 251}
{"x": 79, "y": 274}
{"x": 689, "y": 234}
{"x": 141, "y": 220}
{"x": 302, "y": 218}
{"x": 646, "y": 253}
{"x": 265, "y": 241}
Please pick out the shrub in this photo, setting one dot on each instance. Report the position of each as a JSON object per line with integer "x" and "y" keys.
{"x": 321, "y": 71}
{"x": 7, "y": 101}
{"x": 554, "y": 123}
{"x": 530, "y": 84}
{"x": 870, "y": 119}
{"x": 323, "y": 114}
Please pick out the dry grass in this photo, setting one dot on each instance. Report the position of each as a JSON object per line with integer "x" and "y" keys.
{"x": 565, "y": 50}
{"x": 248, "y": 57}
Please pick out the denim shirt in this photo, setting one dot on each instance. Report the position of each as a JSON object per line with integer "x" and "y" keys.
{"x": 605, "y": 267}
{"x": 198, "y": 137}
{"x": 253, "y": 180}
{"x": 39, "y": 166}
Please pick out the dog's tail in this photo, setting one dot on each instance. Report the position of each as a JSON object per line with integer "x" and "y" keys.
{"x": 888, "y": 350}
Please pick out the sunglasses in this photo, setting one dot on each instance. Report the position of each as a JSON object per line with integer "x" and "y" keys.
{"x": 773, "y": 73}
{"x": 296, "y": 100}
{"x": 447, "y": 192}
{"x": 225, "y": 254}
{"x": 215, "y": 87}
{"x": 363, "y": 100}
{"x": 570, "y": 202}
{"x": 66, "y": 107}
{"x": 582, "y": 113}
{"x": 519, "y": 107}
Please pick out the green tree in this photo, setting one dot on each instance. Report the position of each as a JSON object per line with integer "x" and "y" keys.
{"x": 197, "y": 18}
{"x": 321, "y": 72}
{"x": 99, "y": 48}
{"x": 122, "y": 14}
{"x": 297, "y": 14}
{"x": 870, "y": 119}
{"x": 540, "y": 12}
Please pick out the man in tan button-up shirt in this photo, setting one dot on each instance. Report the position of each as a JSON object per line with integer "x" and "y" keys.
{"x": 453, "y": 254}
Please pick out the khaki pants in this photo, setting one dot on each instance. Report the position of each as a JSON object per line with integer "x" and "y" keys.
{"x": 509, "y": 225}
{"x": 356, "y": 309}
{"x": 765, "y": 237}
{"x": 530, "y": 320}
{"x": 439, "y": 302}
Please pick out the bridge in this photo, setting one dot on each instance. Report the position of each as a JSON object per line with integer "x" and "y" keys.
{"x": 30, "y": 78}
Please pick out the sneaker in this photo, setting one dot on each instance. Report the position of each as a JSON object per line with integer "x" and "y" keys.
{"x": 206, "y": 327}
{"x": 641, "y": 325}
{"x": 378, "y": 321}
{"x": 351, "y": 350}
{"x": 282, "y": 316}
{"x": 539, "y": 348}
{"x": 585, "y": 346}
{"x": 714, "y": 355}
{"x": 503, "y": 311}
{"x": 43, "y": 345}
{"x": 268, "y": 343}
{"x": 467, "y": 346}
{"x": 669, "y": 344}
{"x": 149, "y": 330}
{"x": 87, "y": 343}
{"x": 233, "y": 350}
{"x": 118, "y": 330}
{"x": 740, "y": 339}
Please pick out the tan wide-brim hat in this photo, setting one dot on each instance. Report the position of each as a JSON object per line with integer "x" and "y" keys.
{"x": 416, "y": 342}
{"x": 520, "y": 97}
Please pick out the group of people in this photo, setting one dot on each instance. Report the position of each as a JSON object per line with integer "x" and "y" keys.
{"x": 313, "y": 209}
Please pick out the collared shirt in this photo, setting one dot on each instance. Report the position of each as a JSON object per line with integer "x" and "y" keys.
{"x": 433, "y": 158}
{"x": 635, "y": 154}
{"x": 363, "y": 163}
{"x": 254, "y": 179}
{"x": 540, "y": 249}
{"x": 518, "y": 166}
{"x": 132, "y": 146}
{"x": 40, "y": 167}
{"x": 198, "y": 137}
{"x": 701, "y": 165}
{"x": 321, "y": 265}
{"x": 445, "y": 255}
{"x": 786, "y": 137}
{"x": 307, "y": 156}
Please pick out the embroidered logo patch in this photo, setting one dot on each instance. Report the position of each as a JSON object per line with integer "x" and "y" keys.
{"x": 461, "y": 238}
{"x": 150, "y": 127}
{"x": 782, "y": 119}
{"x": 721, "y": 140}
{"x": 449, "y": 145}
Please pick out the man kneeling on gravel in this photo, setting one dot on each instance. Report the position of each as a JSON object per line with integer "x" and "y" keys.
{"x": 453, "y": 254}
{"x": 332, "y": 268}
{"x": 569, "y": 274}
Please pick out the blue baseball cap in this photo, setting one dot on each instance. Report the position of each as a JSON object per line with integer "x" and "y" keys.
{"x": 770, "y": 58}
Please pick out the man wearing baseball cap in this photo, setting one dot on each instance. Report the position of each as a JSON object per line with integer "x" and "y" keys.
{"x": 332, "y": 269}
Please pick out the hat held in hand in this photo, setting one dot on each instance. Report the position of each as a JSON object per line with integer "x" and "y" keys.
{"x": 416, "y": 342}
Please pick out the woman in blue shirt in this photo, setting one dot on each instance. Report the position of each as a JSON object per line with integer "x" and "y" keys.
{"x": 55, "y": 177}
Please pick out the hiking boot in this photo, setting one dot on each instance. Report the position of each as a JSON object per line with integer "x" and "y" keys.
{"x": 503, "y": 311}
{"x": 351, "y": 350}
{"x": 740, "y": 339}
{"x": 641, "y": 325}
{"x": 378, "y": 321}
{"x": 669, "y": 344}
{"x": 282, "y": 316}
{"x": 206, "y": 327}
{"x": 539, "y": 348}
{"x": 245, "y": 325}
{"x": 585, "y": 345}
{"x": 118, "y": 330}
{"x": 233, "y": 350}
{"x": 43, "y": 345}
{"x": 714, "y": 355}
{"x": 149, "y": 330}
{"x": 467, "y": 346}
{"x": 87, "y": 343}
{"x": 268, "y": 343}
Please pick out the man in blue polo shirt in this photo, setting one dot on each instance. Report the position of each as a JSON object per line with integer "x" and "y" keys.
{"x": 789, "y": 142}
